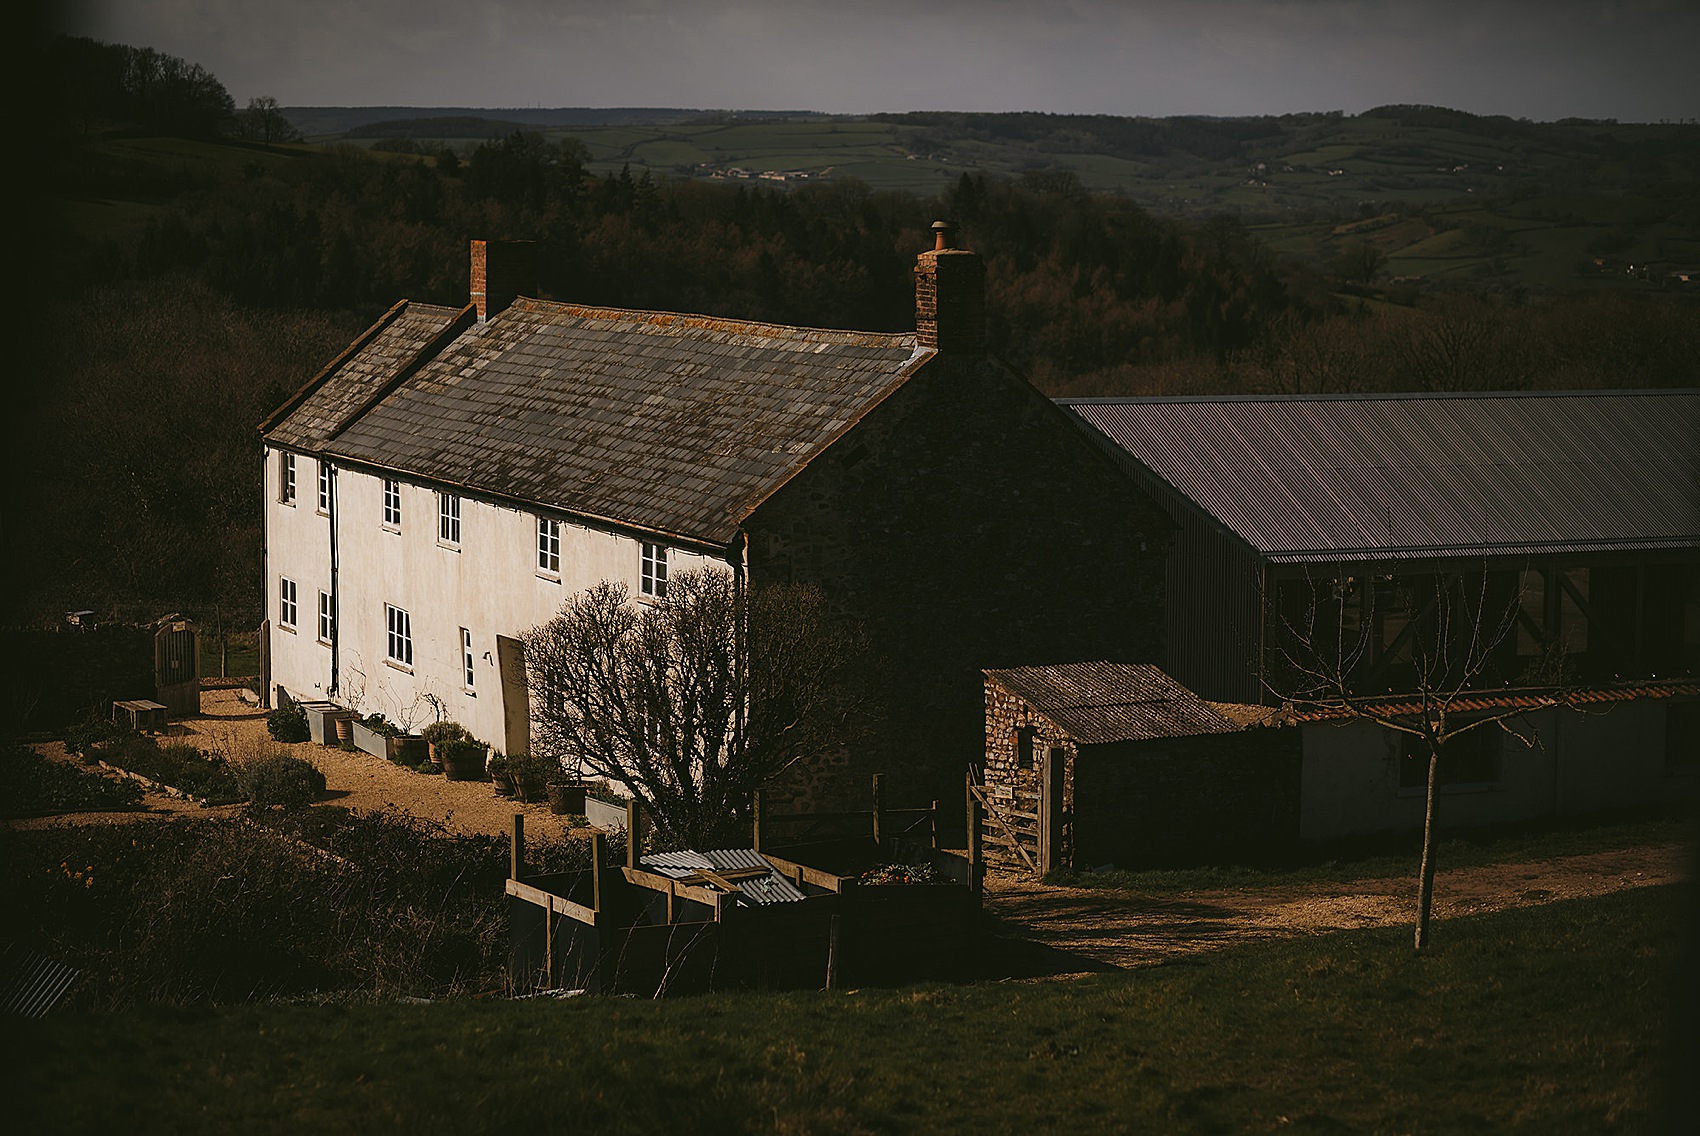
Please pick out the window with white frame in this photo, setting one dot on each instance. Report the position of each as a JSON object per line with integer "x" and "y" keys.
{"x": 548, "y": 545}
{"x": 327, "y": 618}
{"x": 467, "y": 676}
{"x": 287, "y": 611}
{"x": 654, "y": 582}
{"x": 324, "y": 487}
{"x": 398, "y": 642}
{"x": 286, "y": 478}
{"x": 392, "y": 503}
{"x": 448, "y": 518}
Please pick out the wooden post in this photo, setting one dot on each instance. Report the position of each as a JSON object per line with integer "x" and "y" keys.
{"x": 832, "y": 953}
{"x": 598, "y": 853}
{"x": 1051, "y": 810}
{"x": 549, "y": 945}
{"x": 879, "y": 811}
{"x": 516, "y": 848}
{"x": 933, "y": 827}
{"x": 755, "y": 820}
{"x": 634, "y": 832}
{"x": 973, "y": 814}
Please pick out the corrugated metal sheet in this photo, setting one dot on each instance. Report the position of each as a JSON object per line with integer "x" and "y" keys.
{"x": 30, "y": 984}
{"x": 759, "y": 892}
{"x": 1113, "y": 702}
{"x": 670, "y": 423}
{"x": 1317, "y": 478}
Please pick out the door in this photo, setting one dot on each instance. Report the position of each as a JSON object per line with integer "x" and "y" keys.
{"x": 516, "y": 700}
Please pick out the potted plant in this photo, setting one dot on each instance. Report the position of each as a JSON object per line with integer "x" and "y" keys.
{"x": 498, "y": 768}
{"x": 371, "y": 734}
{"x": 438, "y": 732}
{"x": 463, "y": 759}
{"x": 566, "y": 794}
{"x": 531, "y": 777}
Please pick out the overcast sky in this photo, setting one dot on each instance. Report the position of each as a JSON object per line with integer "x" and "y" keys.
{"x": 1625, "y": 59}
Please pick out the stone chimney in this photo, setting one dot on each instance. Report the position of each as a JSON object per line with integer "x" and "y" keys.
{"x": 950, "y": 296}
{"x": 502, "y": 270}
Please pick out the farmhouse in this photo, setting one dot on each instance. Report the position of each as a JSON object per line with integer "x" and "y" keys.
{"x": 454, "y": 475}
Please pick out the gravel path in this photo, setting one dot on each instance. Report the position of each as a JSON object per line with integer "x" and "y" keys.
{"x": 232, "y": 727}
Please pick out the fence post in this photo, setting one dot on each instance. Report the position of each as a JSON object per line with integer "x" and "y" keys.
{"x": 516, "y": 848}
{"x": 1051, "y": 810}
{"x": 755, "y": 819}
{"x": 879, "y": 810}
{"x": 598, "y": 853}
{"x": 972, "y": 812}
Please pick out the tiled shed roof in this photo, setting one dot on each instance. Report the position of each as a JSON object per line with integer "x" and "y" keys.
{"x": 380, "y": 355}
{"x": 1325, "y": 477}
{"x": 1490, "y": 701}
{"x": 673, "y": 424}
{"x": 1113, "y": 702}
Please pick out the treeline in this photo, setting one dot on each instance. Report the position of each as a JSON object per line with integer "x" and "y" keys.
{"x": 102, "y": 83}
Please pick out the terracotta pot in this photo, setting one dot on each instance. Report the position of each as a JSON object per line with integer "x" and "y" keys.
{"x": 533, "y": 791}
{"x": 467, "y": 768}
{"x": 504, "y": 785}
{"x": 344, "y": 730}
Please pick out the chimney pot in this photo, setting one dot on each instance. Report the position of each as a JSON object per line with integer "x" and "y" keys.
{"x": 943, "y": 234}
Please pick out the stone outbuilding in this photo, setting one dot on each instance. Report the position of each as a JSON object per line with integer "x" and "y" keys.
{"x": 1095, "y": 763}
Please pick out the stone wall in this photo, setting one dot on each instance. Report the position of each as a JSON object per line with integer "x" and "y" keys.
{"x": 1011, "y": 727}
{"x": 965, "y": 523}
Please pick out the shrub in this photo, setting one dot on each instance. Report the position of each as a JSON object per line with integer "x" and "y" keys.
{"x": 445, "y": 731}
{"x": 495, "y": 766}
{"x": 93, "y": 734}
{"x": 288, "y": 723}
{"x": 180, "y": 766}
{"x": 381, "y": 726}
{"x": 32, "y": 785}
{"x": 282, "y": 779}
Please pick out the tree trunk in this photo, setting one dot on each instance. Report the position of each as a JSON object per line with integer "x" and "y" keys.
{"x": 1425, "y": 888}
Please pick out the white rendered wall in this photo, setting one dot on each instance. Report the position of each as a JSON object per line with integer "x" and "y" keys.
{"x": 490, "y": 585}
{"x": 297, "y": 547}
{"x": 1580, "y": 762}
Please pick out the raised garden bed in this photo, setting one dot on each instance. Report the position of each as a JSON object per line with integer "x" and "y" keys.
{"x": 322, "y": 718}
{"x": 403, "y": 749}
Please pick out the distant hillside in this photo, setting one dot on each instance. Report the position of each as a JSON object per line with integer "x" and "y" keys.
{"x": 318, "y": 122}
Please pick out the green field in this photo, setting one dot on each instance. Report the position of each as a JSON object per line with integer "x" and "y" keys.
{"x": 1541, "y": 1020}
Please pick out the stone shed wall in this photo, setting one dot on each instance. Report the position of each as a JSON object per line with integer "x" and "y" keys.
{"x": 1007, "y": 717}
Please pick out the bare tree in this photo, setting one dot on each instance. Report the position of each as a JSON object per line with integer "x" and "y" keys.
{"x": 693, "y": 702}
{"x": 1446, "y": 648}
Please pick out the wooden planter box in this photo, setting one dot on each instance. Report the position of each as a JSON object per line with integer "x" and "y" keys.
{"x": 321, "y": 720}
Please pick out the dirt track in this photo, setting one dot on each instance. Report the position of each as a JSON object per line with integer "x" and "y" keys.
{"x": 1112, "y": 929}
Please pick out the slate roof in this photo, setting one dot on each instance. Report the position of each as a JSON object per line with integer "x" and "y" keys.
{"x": 1113, "y": 702}
{"x": 672, "y": 424}
{"x": 1320, "y": 478}
{"x": 378, "y": 356}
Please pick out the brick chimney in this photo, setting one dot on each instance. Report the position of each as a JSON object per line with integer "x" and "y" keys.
{"x": 950, "y": 296}
{"x": 502, "y": 270}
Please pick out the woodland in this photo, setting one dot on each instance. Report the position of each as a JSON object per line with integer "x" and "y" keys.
{"x": 194, "y": 263}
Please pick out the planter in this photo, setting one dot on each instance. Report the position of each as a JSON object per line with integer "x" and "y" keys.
{"x": 407, "y": 749}
{"x": 504, "y": 785}
{"x": 431, "y": 755}
{"x": 533, "y": 790}
{"x": 567, "y": 798}
{"x": 465, "y": 766}
{"x": 604, "y": 815}
{"x": 368, "y": 740}
{"x": 322, "y": 719}
{"x": 345, "y": 731}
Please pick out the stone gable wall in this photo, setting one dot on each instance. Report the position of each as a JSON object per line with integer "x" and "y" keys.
{"x": 965, "y": 523}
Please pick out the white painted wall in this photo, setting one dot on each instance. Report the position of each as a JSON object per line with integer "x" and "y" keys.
{"x": 1579, "y": 763}
{"x": 489, "y": 585}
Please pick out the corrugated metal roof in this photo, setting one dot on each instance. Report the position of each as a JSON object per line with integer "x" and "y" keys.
{"x": 760, "y": 891}
{"x": 1325, "y": 477}
{"x": 1113, "y": 702}
{"x": 670, "y": 423}
{"x": 1490, "y": 701}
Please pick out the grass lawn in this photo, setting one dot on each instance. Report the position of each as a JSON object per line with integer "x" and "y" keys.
{"x": 1540, "y": 1020}
{"x": 1397, "y": 856}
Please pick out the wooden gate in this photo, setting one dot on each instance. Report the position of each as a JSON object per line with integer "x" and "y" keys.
{"x": 176, "y": 668}
{"x": 1020, "y": 828}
